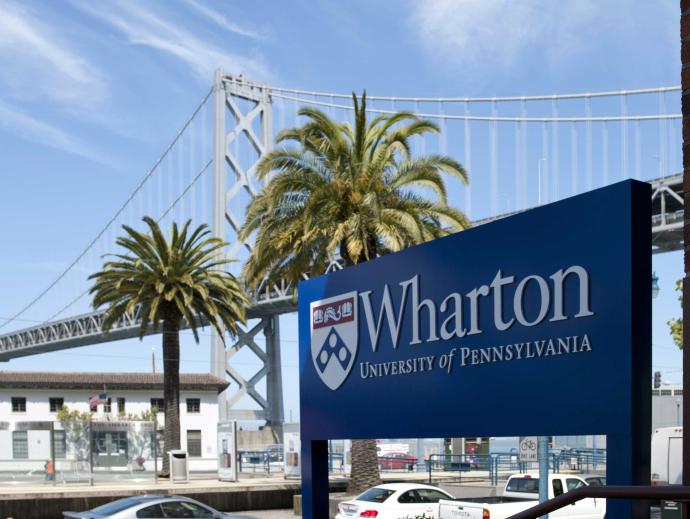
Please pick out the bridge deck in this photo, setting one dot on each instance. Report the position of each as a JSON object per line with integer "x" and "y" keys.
{"x": 86, "y": 329}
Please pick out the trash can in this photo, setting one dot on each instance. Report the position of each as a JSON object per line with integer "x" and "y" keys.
{"x": 179, "y": 466}
{"x": 670, "y": 510}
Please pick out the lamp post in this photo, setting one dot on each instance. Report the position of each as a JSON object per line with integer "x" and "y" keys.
{"x": 678, "y": 412}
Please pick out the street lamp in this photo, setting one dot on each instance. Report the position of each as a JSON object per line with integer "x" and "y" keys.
{"x": 678, "y": 412}
{"x": 655, "y": 285}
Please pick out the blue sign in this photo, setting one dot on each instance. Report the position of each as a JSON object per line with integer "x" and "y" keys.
{"x": 537, "y": 324}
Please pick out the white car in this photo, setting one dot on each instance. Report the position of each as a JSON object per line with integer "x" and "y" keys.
{"x": 394, "y": 501}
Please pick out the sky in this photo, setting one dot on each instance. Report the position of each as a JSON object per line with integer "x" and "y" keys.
{"x": 92, "y": 92}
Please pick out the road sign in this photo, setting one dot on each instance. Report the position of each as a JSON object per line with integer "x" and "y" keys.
{"x": 528, "y": 448}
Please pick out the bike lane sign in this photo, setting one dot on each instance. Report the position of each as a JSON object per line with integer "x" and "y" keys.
{"x": 528, "y": 448}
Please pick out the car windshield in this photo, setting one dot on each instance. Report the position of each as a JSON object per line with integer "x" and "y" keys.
{"x": 375, "y": 495}
{"x": 117, "y": 506}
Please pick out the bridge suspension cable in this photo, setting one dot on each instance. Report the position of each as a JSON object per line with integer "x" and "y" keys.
{"x": 492, "y": 118}
{"x": 546, "y": 97}
{"x": 137, "y": 189}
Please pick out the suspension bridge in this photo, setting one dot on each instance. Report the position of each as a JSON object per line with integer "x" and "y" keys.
{"x": 520, "y": 151}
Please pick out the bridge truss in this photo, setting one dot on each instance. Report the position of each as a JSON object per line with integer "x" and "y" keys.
{"x": 222, "y": 177}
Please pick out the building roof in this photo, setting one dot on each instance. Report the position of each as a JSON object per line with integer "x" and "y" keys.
{"x": 96, "y": 381}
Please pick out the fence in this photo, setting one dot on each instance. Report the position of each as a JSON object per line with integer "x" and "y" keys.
{"x": 499, "y": 466}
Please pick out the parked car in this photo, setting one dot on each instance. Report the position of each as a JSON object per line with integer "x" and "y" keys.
{"x": 397, "y": 461}
{"x": 150, "y": 506}
{"x": 394, "y": 501}
{"x": 522, "y": 492}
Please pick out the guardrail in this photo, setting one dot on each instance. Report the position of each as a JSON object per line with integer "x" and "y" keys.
{"x": 670, "y": 492}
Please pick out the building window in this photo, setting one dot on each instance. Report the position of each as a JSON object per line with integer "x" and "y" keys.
{"x": 666, "y": 392}
{"x": 193, "y": 405}
{"x": 56, "y": 404}
{"x": 121, "y": 405}
{"x": 59, "y": 444}
{"x": 194, "y": 444}
{"x": 159, "y": 404}
{"x": 20, "y": 445}
{"x": 678, "y": 392}
{"x": 108, "y": 406}
{"x": 94, "y": 408}
{"x": 18, "y": 404}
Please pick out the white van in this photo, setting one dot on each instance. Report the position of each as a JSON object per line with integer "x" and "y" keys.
{"x": 667, "y": 456}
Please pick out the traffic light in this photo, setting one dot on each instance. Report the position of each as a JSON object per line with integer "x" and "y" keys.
{"x": 657, "y": 379}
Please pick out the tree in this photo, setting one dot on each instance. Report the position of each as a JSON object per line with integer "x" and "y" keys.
{"x": 676, "y": 325}
{"x": 353, "y": 191}
{"x": 168, "y": 281}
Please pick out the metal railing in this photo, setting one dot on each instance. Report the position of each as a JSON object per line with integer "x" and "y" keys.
{"x": 498, "y": 466}
{"x": 671, "y": 492}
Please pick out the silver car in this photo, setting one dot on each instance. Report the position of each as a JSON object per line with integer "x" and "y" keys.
{"x": 151, "y": 506}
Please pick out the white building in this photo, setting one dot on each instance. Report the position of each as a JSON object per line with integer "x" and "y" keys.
{"x": 667, "y": 406}
{"x": 30, "y": 401}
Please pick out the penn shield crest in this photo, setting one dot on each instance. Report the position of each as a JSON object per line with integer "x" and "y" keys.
{"x": 334, "y": 337}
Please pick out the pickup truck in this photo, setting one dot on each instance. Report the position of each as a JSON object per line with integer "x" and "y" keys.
{"x": 522, "y": 492}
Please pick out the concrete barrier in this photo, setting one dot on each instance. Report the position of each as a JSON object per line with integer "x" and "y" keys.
{"x": 51, "y": 506}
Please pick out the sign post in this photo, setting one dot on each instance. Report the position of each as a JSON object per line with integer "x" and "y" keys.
{"x": 395, "y": 347}
{"x": 543, "y": 448}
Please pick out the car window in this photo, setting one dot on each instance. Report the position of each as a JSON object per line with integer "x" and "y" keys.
{"x": 557, "y": 487}
{"x": 409, "y": 497}
{"x": 152, "y": 512}
{"x": 428, "y": 495}
{"x": 572, "y": 484}
{"x": 594, "y": 482}
{"x": 375, "y": 495}
{"x": 117, "y": 506}
{"x": 526, "y": 485}
{"x": 184, "y": 509}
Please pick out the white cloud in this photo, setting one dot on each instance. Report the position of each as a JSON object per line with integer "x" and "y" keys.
{"x": 477, "y": 32}
{"x": 143, "y": 27}
{"x": 220, "y": 20}
{"x": 38, "y": 63}
{"x": 16, "y": 122}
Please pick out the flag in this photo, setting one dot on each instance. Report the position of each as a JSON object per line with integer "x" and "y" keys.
{"x": 100, "y": 398}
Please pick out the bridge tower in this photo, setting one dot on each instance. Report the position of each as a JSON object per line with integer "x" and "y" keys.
{"x": 242, "y": 120}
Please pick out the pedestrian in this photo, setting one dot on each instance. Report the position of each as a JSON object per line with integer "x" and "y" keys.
{"x": 49, "y": 470}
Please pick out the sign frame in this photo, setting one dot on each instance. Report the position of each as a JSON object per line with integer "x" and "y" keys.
{"x": 606, "y": 233}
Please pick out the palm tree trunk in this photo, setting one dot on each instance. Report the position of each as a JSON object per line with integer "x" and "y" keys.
{"x": 171, "y": 387}
{"x": 365, "y": 463}
{"x": 365, "y": 466}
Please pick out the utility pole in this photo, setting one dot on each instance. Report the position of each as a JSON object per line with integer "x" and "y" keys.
{"x": 685, "y": 107}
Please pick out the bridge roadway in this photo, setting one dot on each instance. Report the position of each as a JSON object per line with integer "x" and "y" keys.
{"x": 85, "y": 329}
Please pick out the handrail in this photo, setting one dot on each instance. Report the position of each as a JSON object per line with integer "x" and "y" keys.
{"x": 672, "y": 492}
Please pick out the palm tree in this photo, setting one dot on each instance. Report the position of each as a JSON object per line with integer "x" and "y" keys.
{"x": 169, "y": 281}
{"x": 354, "y": 191}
